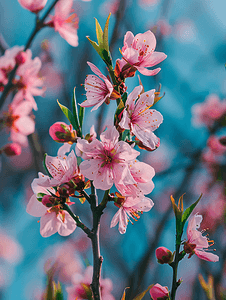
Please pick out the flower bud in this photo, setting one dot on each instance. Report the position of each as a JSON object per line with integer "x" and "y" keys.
{"x": 33, "y": 5}
{"x": 48, "y": 200}
{"x": 12, "y": 149}
{"x": 62, "y": 133}
{"x": 159, "y": 292}
{"x": 21, "y": 58}
{"x": 164, "y": 255}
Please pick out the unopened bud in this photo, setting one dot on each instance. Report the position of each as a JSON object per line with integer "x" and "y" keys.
{"x": 21, "y": 58}
{"x": 164, "y": 255}
{"x": 62, "y": 133}
{"x": 48, "y": 200}
{"x": 12, "y": 149}
{"x": 159, "y": 292}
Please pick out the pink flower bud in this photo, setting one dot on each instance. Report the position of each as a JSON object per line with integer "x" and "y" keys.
{"x": 12, "y": 149}
{"x": 48, "y": 200}
{"x": 62, "y": 133}
{"x": 214, "y": 144}
{"x": 33, "y": 5}
{"x": 21, "y": 58}
{"x": 159, "y": 292}
{"x": 163, "y": 255}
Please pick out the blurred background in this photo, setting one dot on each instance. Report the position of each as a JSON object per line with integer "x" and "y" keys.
{"x": 190, "y": 158}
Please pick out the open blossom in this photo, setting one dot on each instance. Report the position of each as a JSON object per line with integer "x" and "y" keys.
{"x": 53, "y": 219}
{"x": 139, "y": 51}
{"x": 207, "y": 112}
{"x": 19, "y": 123}
{"x": 197, "y": 243}
{"x": 98, "y": 91}
{"x": 107, "y": 161}
{"x": 80, "y": 288}
{"x": 64, "y": 22}
{"x": 142, "y": 173}
{"x": 33, "y": 5}
{"x": 29, "y": 84}
{"x": 129, "y": 207}
{"x": 140, "y": 119}
{"x": 159, "y": 292}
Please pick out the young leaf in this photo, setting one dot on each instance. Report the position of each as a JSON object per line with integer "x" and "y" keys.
{"x": 69, "y": 115}
{"x": 99, "y": 33}
{"x": 141, "y": 295}
{"x": 105, "y": 35}
{"x": 81, "y": 116}
{"x": 95, "y": 46}
{"x": 75, "y": 113}
{"x": 44, "y": 164}
{"x": 189, "y": 210}
{"x": 124, "y": 294}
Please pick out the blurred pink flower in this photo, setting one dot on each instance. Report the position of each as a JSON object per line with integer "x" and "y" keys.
{"x": 11, "y": 149}
{"x": 19, "y": 123}
{"x": 139, "y": 51}
{"x": 65, "y": 23}
{"x": 81, "y": 286}
{"x": 109, "y": 7}
{"x": 159, "y": 292}
{"x": 197, "y": 243}
{"x": 10, "y": 250}
{"x": 185, "y": 31}
{"x": 129, "y": 207}
{"x": 98, "y": 91}
{"x": 164, "y": 27}
{"x": 140, "y": 119}
{"x": 29, "y": 84}
{"x": 207, "y": 112}
{"x": 216, "y": 147}
{"x": 107, "y": 162}
{"x": 53, "y": 219}
{"x": 33, "y": 5}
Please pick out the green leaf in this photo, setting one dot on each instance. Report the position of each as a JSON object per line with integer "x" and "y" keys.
{"x": 189, "y": 210}
{"x": 75, "y": 114}
{"x": 99, "y": 33}
{"x": 69, "y": 115}
{"x": 141, "y": 296}
{"x": 44, "y": 164}
{"x": 106, "y": 57}
{"x": 105, "y": 35}
{"x": 81, "y": 116}
{"x": 124, "y": 294}
{"x": 95, "y": 46}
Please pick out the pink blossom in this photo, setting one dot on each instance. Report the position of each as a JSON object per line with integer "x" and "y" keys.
{"x": 19, "y": 123}
{"x": 164, "y": 27}
{"x": 107, "y": 161}
{"x": 139, "y": 51}
{"x": 62, "y": 168}
{"x": 8, "y": 62}
{"x": 163, "y": 255}
{"x": 207, "y": 112}
{"x": 10, "y": 249}
{"x": 159, "y": 292}
{"x": 33, "y": 5}
{"x": 11, "y": 149}
{"x": 65, "y": 23}
{"x": 197, "y": 243}
{"x": 216, "y": 147}
{"x": 129, "y": 207}
{"x": 53, "y": 219}
{"x": 142, "y": 173}
{"x": 81, "y": 286}
{"x": 140, "y": 119}
{"x": 98, "y": 91}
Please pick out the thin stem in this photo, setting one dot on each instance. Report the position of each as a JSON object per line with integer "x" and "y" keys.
{"x": 38, "y": 26}
{"x": 97, "y": 258}
{"x": 78, "y": 222}
{"x": 175, "y": 267}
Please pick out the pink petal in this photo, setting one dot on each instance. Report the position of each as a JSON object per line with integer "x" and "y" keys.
{"x": 63, "y": 150}
{"x": 103, "y": 179}
{"x": 153, "y": 59}
{"x": 19, "y": 138}
{"x": 110, "y": 137}
{"x": 207, "y": 255}
{"x": 128, "y": 38}
{"x": 35, "y": 208}
{"x": 133, "y": 96}
{"x": 123, "y": 221}
{"x": 68, "y": 226}
{"x": 24, "y": 108}
{"x": 89, "y": 168}
{"x": 131, "y": 55}
{"x": 125, "y": 121}
{"x": 147, "y": 72}
{"x": 115, "y": 219}
{"x": 147, "y": 38}
{"x": 125, "y": 152}
{"x": 25, "y": 125}
{"x": 49, "y": 224}
{"x": 142, "y": 172}
{"x": 146, "y": 136}
{"x": 63, "y": 8}
{"x": 96, "y": 70}
{"x": 69, "y": 33}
